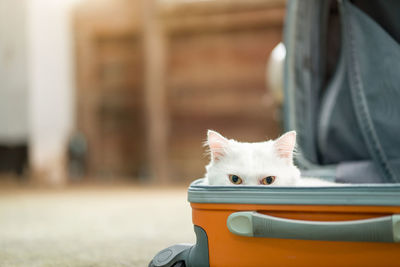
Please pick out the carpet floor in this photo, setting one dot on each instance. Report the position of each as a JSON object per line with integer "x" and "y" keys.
{"x": 91, "y": 226}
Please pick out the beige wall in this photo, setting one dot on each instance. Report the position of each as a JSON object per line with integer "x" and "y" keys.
{"x": 13, "y": 73}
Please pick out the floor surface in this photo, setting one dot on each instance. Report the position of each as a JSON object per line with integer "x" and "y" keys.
{"x": 92, "y": 226}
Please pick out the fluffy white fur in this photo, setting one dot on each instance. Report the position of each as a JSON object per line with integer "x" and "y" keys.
{"x": 254, "y": 161}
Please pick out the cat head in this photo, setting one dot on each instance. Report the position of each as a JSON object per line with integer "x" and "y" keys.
{"x": 263, "y": 163}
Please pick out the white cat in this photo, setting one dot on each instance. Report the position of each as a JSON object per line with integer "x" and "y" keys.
{"x": 263, "y": 163}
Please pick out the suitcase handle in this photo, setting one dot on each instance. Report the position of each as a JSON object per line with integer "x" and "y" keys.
{"x": 254, "y": 224}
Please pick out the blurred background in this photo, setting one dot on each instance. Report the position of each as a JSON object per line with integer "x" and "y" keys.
{"x": 94, "y": 90}
{"x": 123, "y": 92}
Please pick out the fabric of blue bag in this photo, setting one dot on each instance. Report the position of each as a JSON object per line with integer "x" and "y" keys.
{"x": 353, "y": 122}
{"x": 373, "y": 59}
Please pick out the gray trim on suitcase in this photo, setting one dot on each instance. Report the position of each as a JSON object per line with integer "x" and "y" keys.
{"x": 198, "y": 255}
{"x": 254, "y": 224}
{"x": 365, "y": 194}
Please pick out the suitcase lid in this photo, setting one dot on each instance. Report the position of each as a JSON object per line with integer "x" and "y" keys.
{"x": 341, "y": 87}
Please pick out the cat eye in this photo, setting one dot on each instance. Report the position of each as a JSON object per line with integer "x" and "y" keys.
{"x": 268, "y": 180}
{"x": 235, "y": 179}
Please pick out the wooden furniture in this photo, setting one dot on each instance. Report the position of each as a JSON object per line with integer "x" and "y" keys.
{"x": 155, "y": 77}
{"x": 110, "y": 107}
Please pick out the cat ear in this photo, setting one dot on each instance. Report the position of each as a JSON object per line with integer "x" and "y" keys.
{"x": 217, "y": 144}
{"x": 284, "y": 145}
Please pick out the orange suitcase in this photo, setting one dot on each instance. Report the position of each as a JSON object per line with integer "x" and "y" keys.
{"x": 355, "y": 225}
